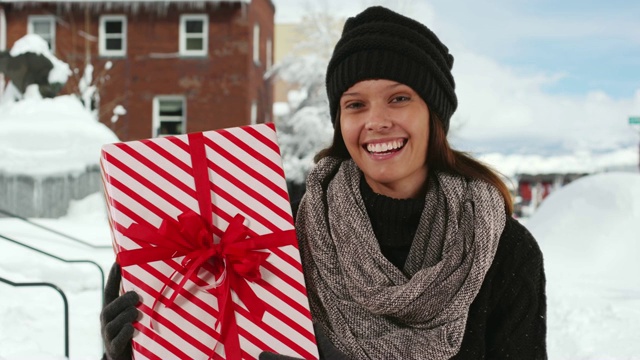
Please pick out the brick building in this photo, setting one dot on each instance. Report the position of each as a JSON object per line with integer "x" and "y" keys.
{"x": 175, "y": 66}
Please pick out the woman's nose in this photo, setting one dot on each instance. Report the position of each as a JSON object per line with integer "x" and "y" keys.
{"x": 378, "y": 119}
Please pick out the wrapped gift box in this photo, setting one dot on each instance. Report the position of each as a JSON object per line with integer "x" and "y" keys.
{"x": 203, "y": 230}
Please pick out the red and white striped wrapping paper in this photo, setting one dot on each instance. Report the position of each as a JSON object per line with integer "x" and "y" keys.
{"x": 149, "y": 181}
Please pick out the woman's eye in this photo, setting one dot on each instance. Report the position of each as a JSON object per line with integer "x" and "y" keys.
{"x": 400, "y": 98}
{"x": 353, "y": 105}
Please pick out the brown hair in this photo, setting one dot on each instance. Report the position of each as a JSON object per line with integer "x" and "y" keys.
{"x": 440, "y": 156}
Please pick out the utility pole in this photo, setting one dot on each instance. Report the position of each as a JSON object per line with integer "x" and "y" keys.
{"x": 634, "y": 122}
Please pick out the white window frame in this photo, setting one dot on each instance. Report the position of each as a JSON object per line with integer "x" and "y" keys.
{"x": 156, "y": 119}
{"x": 256, "y": 44}
{"x": 269, "y": 60}
{"x": 254, "y": 112}
{"x": 3, "y": 30}
{"x": 184, "y": 36}
{"x": 52, "y": 28}
{"x": 103, "y": 51}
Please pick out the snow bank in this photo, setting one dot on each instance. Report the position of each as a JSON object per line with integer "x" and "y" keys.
{"x": 589, "y": 232}
{"x": 42, "y": 137}
{"x": 592, "y": 226}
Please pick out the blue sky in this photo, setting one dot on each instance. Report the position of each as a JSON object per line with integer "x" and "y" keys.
{"x": 532, "y": 76}
{"x": 589, "y": 44}
{"x": 593, "y": 45}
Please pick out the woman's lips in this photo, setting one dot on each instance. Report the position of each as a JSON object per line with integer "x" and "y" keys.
{"x": 383, "y": 147}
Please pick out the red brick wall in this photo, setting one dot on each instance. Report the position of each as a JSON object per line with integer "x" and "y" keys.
{"x": 219, "y": 87}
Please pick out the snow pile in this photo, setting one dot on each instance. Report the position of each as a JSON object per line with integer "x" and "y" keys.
{"x": 49, "y": 136}
{"x": 36, "y": 44}
{"x": 589, "y": 232}
{"x": 593, "y": 224}
{"x": 42, "y": 137}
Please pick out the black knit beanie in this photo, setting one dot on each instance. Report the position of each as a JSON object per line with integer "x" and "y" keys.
{"x": 381, "y": 44}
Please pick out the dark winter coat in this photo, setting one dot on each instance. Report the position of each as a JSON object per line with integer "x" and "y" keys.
{"x": 507, "y": 320}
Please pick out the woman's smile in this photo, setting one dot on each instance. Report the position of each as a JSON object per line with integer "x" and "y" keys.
{"x": 385, "y": 127}
{"x": 384, "y": 147}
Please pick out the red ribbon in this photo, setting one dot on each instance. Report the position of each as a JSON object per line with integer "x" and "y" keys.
{"x": 236, "y": 258}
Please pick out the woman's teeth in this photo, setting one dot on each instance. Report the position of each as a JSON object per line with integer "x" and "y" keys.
{"x": 384, "y": 147}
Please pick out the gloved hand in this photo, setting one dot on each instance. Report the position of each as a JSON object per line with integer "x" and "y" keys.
{"x": 325, "y": 347}
{"x": 117, "y": 317}
{"x": 265, "y": 355}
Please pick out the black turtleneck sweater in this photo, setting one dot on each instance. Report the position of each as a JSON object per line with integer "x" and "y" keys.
{"x": 394, "y": 222}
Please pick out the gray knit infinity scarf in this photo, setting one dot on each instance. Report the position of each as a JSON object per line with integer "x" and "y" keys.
{"x": 369, "y": 308}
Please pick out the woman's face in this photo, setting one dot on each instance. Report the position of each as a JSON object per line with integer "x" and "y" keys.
{"x": 385, "y": 126}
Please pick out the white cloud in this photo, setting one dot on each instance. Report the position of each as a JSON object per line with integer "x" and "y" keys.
{"x": 497, "y": 26}
{"x": 505, "y": 108}
{"x": 497, "y": 102}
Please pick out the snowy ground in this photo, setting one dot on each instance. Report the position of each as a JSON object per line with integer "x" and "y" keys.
{"x": 37, "y": 314}
{"x": 588, "y": 232}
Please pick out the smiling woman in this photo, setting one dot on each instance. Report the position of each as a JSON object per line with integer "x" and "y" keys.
{"x": 408, "y": 247}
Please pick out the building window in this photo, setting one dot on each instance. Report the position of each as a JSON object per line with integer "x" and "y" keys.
{"x": 113, "y": 35}
{"x": 3, "y": 33}
{"x": 254, "y": 112}
{"x": 169, "y": 115}
{"x": 45, "y": 26}
{"x": 194, "y": 35}
{"x": 269, "y": 53}
{"x": 256, "y": 44}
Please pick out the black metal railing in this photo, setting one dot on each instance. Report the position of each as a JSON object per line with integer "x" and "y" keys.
{"x": 61, "y": 259}
{"x": 64, "y": 299}
{"x": 54, "y": 231}
{"x": 40, "y": 251}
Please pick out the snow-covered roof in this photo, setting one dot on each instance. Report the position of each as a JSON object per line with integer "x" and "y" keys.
{"x": 126, "y": 1}
{"x": 134, "y": 6}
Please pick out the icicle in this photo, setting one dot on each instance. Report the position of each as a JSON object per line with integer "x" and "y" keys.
{"x": 134, "y": 7}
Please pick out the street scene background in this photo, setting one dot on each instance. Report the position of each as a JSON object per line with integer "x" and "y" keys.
{"x": 546, "y": 91}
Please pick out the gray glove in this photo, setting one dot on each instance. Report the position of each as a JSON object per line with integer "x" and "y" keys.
{"x": 265, "y": 355}
{"x": 325, "y": 347}
{"x": 117, "y": 317}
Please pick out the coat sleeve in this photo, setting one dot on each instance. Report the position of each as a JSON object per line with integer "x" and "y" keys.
{"x": 517, "y": 326}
